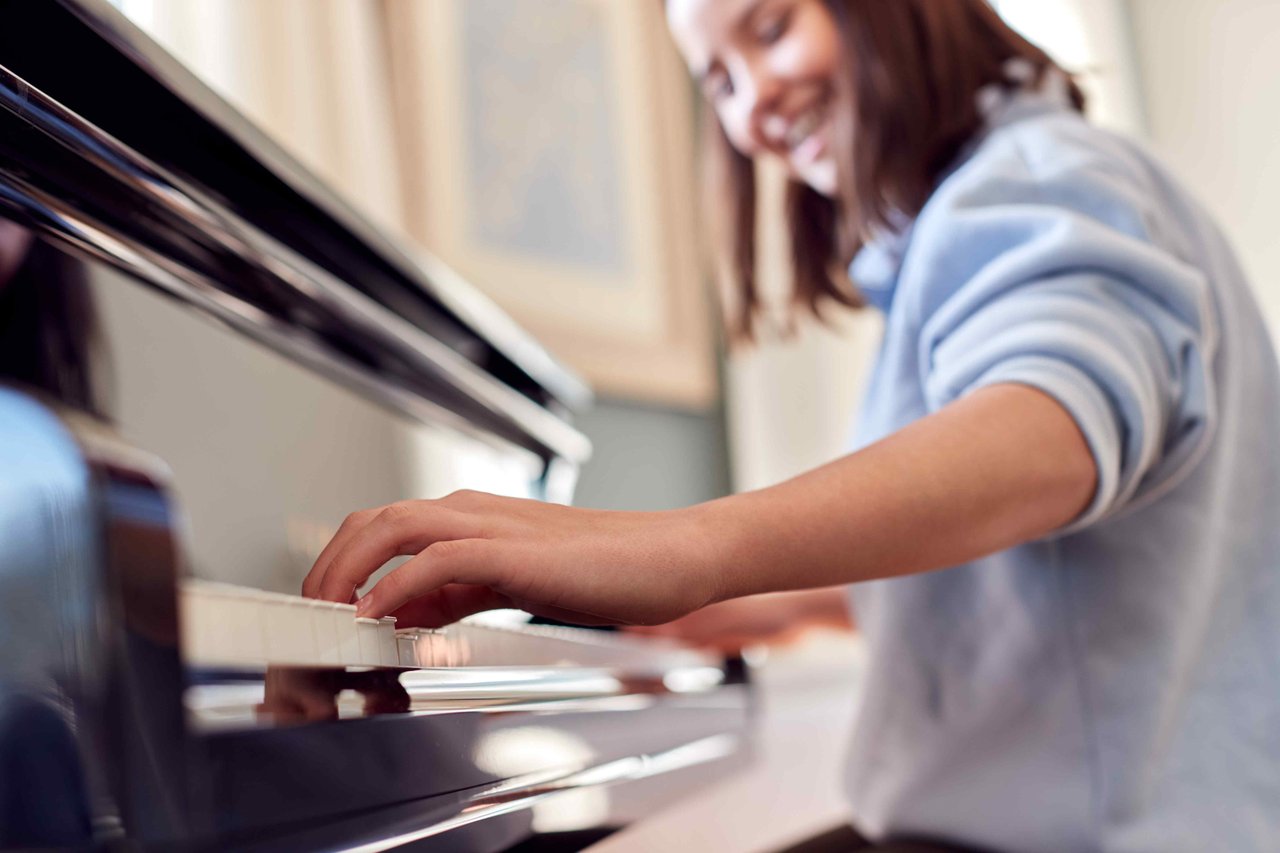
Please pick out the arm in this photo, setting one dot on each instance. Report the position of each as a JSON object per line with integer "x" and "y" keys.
{"x": 1003, "y": 465}
{"x": 773, "y": 619}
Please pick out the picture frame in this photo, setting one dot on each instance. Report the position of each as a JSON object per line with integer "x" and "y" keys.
{"x": 551, "y": 144}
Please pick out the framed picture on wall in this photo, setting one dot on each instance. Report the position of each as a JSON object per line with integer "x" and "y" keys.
{"x": 553, "y": 141}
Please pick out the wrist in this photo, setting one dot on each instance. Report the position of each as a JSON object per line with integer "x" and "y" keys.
{"x": 728, "y": 535}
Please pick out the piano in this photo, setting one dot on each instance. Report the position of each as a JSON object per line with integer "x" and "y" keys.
{"x": 270, "y": 359}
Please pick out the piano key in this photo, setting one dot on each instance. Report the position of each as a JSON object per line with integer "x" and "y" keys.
{"x": 225, "y": 625}
{"x": 242, "y": 619}
{"x": 348, "y": 635}
{"x": 390, "y": 654}
{"x": 326, "y": 630}
{"x": 405, "y": 650}
{"x": 370, "y": 645}
{"x": 198, "y": 623}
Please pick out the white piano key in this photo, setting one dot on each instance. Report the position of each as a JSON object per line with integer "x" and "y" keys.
{"x": 195, "y": 617}
{"x": 462, "y": 651}
{"x": 324, "y": 623}
{"x": 348, "y": 634}
{"x": 224, "y": 625}
{"x": 265, "y": 624}
{"x": 273, "y": 629}
{"x": 421, "y": 652}
{"x": 389, "y": 654}
{"x": 302, "y": 637}
{"x": 405, "y": 649}
{"x": 435, "y": 649}
{"x": 292, "y": 641}
{"x": 243, "y": 619}
{"x": 370, "y": 645}
{"x": 431, "y": 649}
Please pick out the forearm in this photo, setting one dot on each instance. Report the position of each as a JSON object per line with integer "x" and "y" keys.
{"x": 1002, "y": 466}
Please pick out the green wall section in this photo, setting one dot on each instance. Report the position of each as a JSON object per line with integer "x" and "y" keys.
{"x": 649, "y": 458}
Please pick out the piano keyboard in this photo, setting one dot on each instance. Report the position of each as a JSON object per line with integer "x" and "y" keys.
{"x": 225, "y": 626}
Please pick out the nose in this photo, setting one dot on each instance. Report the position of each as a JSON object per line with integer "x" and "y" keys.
{"x": 758, "y": 92}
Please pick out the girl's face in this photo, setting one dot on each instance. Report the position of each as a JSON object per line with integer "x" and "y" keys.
{"x": 768, "y": 68}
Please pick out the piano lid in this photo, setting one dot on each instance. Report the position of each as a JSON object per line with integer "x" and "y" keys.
{"x": 125, "y": 156}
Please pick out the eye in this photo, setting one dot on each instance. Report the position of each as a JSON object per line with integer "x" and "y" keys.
{"x": 774, "y": 27}
{"x": 717, "y": 85}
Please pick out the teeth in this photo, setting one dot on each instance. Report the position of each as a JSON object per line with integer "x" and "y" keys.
{"x": 803, "y": 126}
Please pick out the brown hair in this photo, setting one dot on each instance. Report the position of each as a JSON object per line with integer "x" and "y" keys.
{"x": 49, "y": 330}
{"x": 913, "y": 85}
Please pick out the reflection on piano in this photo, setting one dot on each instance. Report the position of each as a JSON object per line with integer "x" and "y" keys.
{"x": 162, "y": 689}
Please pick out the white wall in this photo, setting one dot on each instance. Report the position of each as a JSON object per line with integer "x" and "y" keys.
{"x": 1210, "y": 75}
{"x": 1091, "y": 39}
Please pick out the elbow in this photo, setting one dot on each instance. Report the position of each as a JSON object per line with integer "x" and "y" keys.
{"x": 1078, "y": 483}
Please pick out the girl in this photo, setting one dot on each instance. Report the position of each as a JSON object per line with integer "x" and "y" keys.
{"x": 1059, "y": 526}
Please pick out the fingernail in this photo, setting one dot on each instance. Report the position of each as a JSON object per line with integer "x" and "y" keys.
{"x": 364, "y": 604}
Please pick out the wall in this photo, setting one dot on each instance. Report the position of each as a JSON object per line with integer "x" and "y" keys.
{"x": 1210, "y": 77}
{"x": 650, "y": 458}
{"x": 1091, "y": 39}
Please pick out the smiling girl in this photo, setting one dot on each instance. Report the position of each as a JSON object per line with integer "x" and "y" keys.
{"x": 1058, "y": 522}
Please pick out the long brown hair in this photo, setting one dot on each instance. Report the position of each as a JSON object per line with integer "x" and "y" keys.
{"x": 912, "y": 71}
{"x": 49, "y": 331}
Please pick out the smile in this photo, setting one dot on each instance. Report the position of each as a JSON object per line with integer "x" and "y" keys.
{"x": 802, "y": 138}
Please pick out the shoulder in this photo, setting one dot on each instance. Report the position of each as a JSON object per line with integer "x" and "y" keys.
{"x": 1040, "y": 198}
{"x": 1058, "y": 161}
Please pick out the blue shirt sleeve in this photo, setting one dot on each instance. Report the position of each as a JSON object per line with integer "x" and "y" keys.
{"x": 1058, "y": 276}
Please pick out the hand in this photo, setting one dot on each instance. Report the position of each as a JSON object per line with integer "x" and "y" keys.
{"x": 774, "y": 619}
{"x": 475, "y": 551}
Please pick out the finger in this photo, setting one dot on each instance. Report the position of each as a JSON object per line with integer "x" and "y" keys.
{"x": 317, "y": 706}
{"x": 353, "y": 522}
{"x": 445, "y": 562}
{"x": 447, "y": 605}
{"x": 281, "y": 711}
{"x": 403, "y": 528}
{"x": 454, "y": 602}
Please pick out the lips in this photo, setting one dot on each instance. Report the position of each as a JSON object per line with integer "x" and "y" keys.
{"x": 806, "y": 139}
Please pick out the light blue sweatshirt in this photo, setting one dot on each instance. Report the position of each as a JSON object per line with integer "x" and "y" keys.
{"x": 1115, "y": 686}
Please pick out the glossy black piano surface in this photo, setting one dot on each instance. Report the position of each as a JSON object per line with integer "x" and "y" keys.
{"x": 281, "y": 361}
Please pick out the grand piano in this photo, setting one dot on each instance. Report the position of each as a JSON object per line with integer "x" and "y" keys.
{"x": 273, "y": 360}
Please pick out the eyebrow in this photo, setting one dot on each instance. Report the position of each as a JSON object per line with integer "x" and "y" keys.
{"x": 702, "y": 73}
